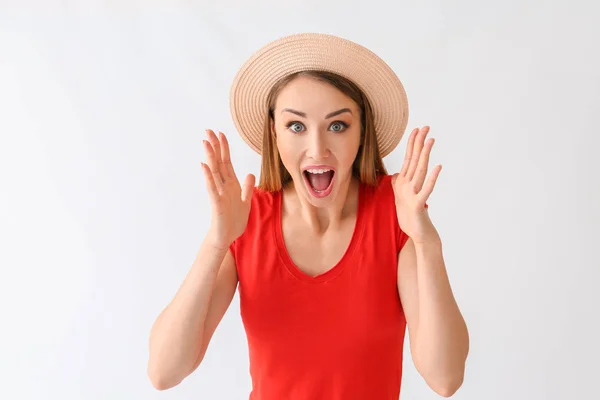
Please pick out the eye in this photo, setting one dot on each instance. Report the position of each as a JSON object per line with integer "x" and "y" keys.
{"x": 295, "y": 126}
{"x": 338, "y": 126}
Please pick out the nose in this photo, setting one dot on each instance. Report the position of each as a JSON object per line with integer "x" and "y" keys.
{"x": 317, "y": 146}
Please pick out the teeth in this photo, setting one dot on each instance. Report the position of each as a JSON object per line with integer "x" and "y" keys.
{"x": 318, "y": 171}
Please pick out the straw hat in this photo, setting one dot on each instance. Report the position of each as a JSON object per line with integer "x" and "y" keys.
{"x": 306, "y": 51}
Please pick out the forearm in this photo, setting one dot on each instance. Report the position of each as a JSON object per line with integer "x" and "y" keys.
{"x": 176, "y": 336}
{"x": 442, "y": 341}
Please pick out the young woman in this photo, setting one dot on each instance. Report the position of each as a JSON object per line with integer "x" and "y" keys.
{"x": 334, "y": 257}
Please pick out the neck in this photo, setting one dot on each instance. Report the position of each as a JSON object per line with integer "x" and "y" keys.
{"x": 321, "y": 219}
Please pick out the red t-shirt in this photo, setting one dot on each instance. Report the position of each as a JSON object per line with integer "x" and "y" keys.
{"x": 338, "y": 335}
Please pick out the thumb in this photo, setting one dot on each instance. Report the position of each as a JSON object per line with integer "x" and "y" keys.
{"x": 248, "y": 187}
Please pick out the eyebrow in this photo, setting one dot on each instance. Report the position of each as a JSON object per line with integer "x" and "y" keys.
{"x": 302, "y": 114}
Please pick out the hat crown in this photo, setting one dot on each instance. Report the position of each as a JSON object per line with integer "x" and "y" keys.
{"x": 322, "y": 52}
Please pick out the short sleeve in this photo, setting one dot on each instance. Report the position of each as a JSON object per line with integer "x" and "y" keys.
{"x": 401, "y": 239}
{"x": 233, "y": 248}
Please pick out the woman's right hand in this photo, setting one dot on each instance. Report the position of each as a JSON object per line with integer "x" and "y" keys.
{"x": 230, "y": 201}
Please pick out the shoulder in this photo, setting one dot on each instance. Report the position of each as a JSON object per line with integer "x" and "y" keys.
{"x": 381, "y": 210}
{"x": 262, "y": 209}
{"x": 263, "y": 206}
{"x": 382, "y": 192}
{"x": 263, "y": 202}
{"x": 378, "y": 202}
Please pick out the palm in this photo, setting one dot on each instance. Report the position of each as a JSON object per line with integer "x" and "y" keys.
{"x": 411, "y": 191}
{"x": 230, "y": 201}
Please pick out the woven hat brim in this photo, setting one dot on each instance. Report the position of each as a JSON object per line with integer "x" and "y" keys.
{"x": 316, "y": 51}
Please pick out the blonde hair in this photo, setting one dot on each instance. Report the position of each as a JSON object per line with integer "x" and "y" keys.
{"x": 368, "y": 165}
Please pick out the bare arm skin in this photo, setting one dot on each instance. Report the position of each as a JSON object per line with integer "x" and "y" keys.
{"x": 182, "y": 332}
{"x": 439, "y": 339}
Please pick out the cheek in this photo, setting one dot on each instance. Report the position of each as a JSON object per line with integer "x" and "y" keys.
{"x": 347, "y": 149}
{"x": 287, "y": 152}
{"x": 349, "y": 158}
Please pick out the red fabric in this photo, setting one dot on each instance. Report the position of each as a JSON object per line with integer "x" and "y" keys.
{"x": 339, "y": 335}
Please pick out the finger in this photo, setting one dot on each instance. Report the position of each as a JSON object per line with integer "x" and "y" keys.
{"x": 216, "y": 145}
{"x": 226, "y": 157}
{"x": 210, "y": 183}
{"x": 418, "y": 146}
{"x": 409, "y": 149}
{"x": 421, "y": 171}
{"x": 248, "y": 187}
{"x": 212, "y": 165}
{"x": 430, "y": 184}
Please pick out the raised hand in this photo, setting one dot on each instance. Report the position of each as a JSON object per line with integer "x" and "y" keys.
{"x": 411, "y": 191}
{"x": 230, "y": 201}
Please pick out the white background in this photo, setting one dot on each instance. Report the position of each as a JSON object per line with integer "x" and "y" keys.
{"x": 103, "y": 106}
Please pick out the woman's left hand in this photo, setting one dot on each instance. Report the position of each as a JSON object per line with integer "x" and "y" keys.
{"x": 411, "y": 191}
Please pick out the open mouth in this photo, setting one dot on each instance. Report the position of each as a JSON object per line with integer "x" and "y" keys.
{"x": 319, "y": 180}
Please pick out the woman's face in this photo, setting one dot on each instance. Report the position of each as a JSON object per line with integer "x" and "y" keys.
{"x": 318, "y": 136}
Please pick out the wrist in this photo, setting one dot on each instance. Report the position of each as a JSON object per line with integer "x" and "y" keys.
{"x": 216, "y": 243}
{"x": 430, "y": 239}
